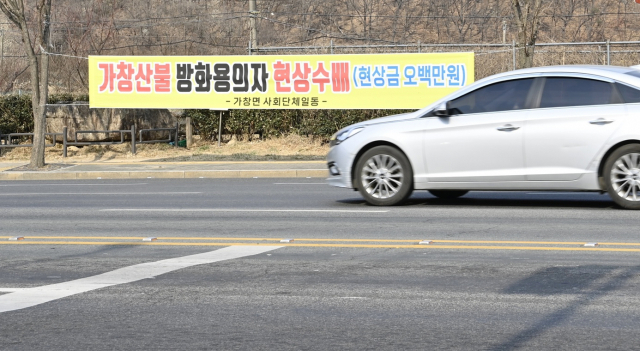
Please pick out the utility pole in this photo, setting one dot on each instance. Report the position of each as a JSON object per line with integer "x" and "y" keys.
{"x": 252, "y": 23}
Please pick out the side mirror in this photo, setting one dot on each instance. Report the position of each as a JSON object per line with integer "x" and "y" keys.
{"x": 442, "y": 110}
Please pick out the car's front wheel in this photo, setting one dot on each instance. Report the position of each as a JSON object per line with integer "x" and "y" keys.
{"x": 622, "y": 176}
{"x": 384, "y": 176}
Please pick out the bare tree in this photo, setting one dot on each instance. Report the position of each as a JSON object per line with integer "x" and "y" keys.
{"x": 179, "y": 27}
{"x": 365, "y": 11}
{"x": 527, "y": 16}
{"x": 38, "y": 62}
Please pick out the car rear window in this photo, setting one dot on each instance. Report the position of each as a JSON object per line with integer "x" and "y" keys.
{"x": 563, "y": 92}
{"x": 629, "y": 94}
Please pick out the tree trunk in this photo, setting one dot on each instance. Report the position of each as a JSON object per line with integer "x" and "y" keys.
{"x": 38, "y": 66}
{"x": 527, "y": 17}
{"x": 39, "y": 113}
{"x": 526, "y": 50}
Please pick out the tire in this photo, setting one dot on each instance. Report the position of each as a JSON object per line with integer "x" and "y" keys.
{"x": 383, "y": 176}
{"x": 622, "y": 176}
{"x": 448, "y": 194}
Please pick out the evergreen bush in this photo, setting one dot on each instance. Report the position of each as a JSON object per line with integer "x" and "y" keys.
{"x": 16, "y": 117}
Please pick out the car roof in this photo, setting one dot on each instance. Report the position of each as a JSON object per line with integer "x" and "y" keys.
{"x": 618, "y": 73}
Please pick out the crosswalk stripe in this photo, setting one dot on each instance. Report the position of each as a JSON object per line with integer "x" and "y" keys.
{"x": 34, "y": 296}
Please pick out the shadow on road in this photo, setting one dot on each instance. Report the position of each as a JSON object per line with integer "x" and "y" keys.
{"x": 587, "y": 283}
{"x": 504, "y": 200}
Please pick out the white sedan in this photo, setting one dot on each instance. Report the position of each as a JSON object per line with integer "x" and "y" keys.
{"x": 555, "y": 128}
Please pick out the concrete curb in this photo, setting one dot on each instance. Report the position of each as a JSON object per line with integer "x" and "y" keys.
{"x": 282, "y": 173}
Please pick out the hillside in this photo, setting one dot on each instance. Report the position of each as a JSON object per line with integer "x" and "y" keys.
{"x": 221, "y": 27}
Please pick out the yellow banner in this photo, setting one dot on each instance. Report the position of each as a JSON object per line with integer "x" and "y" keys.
{"x": 380, "y": 81}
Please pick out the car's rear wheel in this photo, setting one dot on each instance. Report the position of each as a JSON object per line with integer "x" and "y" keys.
{"x": 384, "y": 176}
{"x": 448, "y": 194}
{"x": 622, "y": 176}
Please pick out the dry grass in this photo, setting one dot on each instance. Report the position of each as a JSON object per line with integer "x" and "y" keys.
{"x": 291, "y": 146}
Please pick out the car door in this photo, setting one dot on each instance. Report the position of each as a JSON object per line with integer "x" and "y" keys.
{"x": 482, "y": 138}
{"x": 575, "y": 118}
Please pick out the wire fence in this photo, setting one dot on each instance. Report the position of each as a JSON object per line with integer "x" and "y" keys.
{"x": 491, "y": 58}
{"x": 69, "y": 73}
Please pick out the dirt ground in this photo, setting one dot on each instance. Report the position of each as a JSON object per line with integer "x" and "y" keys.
{"x": 291, "y": 147}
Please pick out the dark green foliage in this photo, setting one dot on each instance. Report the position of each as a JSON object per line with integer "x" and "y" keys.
{"x": 16, "y": 117}
{"x": 66, "y": 98}
{"x": 204, "y": 121}
{"x": 16, "y": 114}
{"x": 273, "y": 123}
{"x": 323, "y": 123}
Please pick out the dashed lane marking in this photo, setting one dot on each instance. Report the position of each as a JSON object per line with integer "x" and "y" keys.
{"x": 229, "y": 210}
{"x": 70, "y": 184}
{"x": 102, "y": 194}
{"x": 567, "y": 193}
{"x": 151, "y": 163}
{"x": 300, "y": 183}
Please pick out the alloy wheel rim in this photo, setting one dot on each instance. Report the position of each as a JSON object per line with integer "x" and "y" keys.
{"x": 625, "y": 177}
{"x": 382, "y": 176}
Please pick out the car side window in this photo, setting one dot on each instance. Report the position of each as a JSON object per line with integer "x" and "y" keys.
{"x": 629, "y": 94}
{"x": 564, "y": 92}
{"x": 503, "y": 96}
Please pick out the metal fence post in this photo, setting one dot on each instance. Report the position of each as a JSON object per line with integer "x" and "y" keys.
{"x": 64, "y": 142}
{"x": 419, "y": 47}
{"x": 514, "y": 55}
{"x": 608, "y": 52}
{"x": 133, "y": 139}
{"x": 220, "y": 129}
{"x": 189, "y": 133}
{"x": 331, "y": 46}
{"x": 175, "y": 143}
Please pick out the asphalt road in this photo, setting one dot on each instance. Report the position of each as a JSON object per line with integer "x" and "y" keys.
{"x": 504, "y": 271}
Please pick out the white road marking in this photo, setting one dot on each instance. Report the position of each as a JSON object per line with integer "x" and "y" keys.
{"x": 566, "y": 193}
{"x": 353, "y": 297}
{"x": 29, "y": 297}
{"x": 158, "y": 193}
{"x": 226, "y": 210}
{"x": 71, "y": 184}
{"x": 300, "y": 183}
{"x": 10, "y": 290}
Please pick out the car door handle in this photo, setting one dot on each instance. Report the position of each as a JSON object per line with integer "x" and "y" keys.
{"x": 601, "y": 121}
{"x": 508, "y": 128}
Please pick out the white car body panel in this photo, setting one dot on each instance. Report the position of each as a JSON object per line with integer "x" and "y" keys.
{"x": 560, "y": 143}
{"x": 470, "y": 148}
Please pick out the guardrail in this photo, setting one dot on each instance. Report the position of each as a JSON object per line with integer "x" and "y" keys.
{"x": 174, "y": 134}
{"x": 6, "y": 140}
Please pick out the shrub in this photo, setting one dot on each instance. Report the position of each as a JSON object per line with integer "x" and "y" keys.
{"x": 16, "y": 114}
{"x": 204, "y": 121}
{"x": 16, "y": 117}
{"x": 272, "y": 123}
